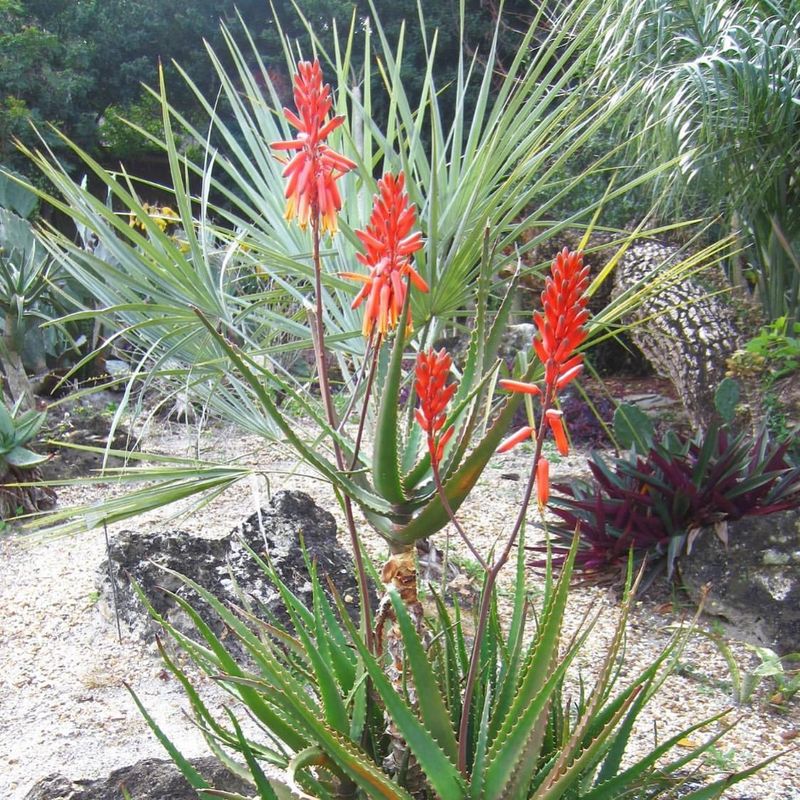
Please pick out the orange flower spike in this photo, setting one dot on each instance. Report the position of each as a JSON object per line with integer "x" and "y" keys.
{"x": 313, "y": 171}
{"x": 561, "y": 323}
{"x": 543, "y": 481}
{"x": 431, "y": 375}
{"x": 560, "y": 330}
{"x": 388, "y": 243}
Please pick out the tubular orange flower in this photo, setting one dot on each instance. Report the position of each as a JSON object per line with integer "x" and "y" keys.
{"x": 561, "y": 329}
{"x": 557, "y": 426}
{"x": 431, "y": 374}
{"x": 312, "y": 172}
{"x": 543, "y": 481}
{"x": 388, "y": 244}
{"x": 520, "y": 436}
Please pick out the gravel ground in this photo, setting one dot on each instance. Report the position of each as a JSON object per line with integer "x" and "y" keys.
{"x": 64, "y": 707}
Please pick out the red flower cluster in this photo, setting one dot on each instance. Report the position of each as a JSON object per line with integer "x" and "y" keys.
{"x": 389, "y": 244}
{"x": 561, "y": 330}
{"x": 313, "y": 171}
{"x": 431, "y": 373}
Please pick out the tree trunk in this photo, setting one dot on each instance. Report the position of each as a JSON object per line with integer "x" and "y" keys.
{"x": 685, "y": 332}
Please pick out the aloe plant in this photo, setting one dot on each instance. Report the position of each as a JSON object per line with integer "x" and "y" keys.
{"x": 314, "y": 695}
{"x": 18, "y": 463}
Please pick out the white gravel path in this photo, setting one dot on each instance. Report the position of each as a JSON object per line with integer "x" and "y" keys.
{"x": 64, "y": 708}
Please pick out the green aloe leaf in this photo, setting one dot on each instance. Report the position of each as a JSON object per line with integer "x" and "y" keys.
{"x": 330, "y": 637}
{"x": 433, "y": 516}
{"x": 7, "y": 429}
{"x": 538, "y": 681}
{"x": 452, "y": 673}
{"x": 620, "y": 783}
{"x": 286, "y": 689}
{"x": 200, "y": 709}
{"x": 718, "y": 788}
{"x": 509, "y": 676}
{"x": 439, "y": 769}
{"x": 265, "y": 790}
{"x": 194, "y": 778}
{"x": 432, "y": 706}
{"x": 332, "y": 704}
{"x": 386, "y": 450}
{"x": 568, "y": 771}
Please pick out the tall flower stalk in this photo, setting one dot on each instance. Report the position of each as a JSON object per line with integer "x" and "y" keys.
{"x": 313, "y": 197}
{"x": 561, "y": 329}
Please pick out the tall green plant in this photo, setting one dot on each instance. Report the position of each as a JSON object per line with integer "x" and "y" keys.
{"x": 717, "y": 86}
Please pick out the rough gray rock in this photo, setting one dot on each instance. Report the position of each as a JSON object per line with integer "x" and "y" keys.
{"x": 685, "y": 332}
{"x": 755, "y": 582}
{"x": 150, "y": 779}
{"x": 226, "y": 568}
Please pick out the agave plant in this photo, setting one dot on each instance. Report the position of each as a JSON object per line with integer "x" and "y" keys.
{"x": 25, "y": 267}
{"x": 18, "y": 464}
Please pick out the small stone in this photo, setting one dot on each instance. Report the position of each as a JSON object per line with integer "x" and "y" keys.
{"x": 774, "y": 558}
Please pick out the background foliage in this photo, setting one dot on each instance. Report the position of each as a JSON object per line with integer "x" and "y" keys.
{"x": 79, "y": 63}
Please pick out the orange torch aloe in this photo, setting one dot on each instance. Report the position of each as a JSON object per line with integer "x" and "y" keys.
{"x": 389, "y": 244}
{"x": 313, "y": 171}
{"x": 561, "y": 329}
{"x": 431, "y": 374}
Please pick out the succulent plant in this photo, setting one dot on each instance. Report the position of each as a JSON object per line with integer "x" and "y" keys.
{"x": 18, "y": 463}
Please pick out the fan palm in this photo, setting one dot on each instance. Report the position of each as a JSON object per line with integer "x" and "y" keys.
{"x": 230, "y": 268}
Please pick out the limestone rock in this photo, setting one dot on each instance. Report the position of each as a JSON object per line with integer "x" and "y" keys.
{"x": 225, "y": 567}
{"x": 150, "y": 779}
{"x": 755, "y": 582}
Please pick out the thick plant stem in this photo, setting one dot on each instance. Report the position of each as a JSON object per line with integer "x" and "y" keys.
{"x": 491, "y": 580}
{"x": 399, "y": 573}
{"x": 321, "y": 357}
